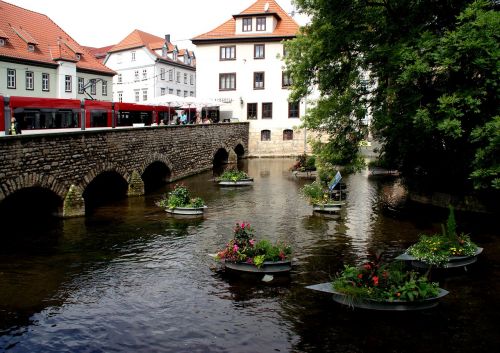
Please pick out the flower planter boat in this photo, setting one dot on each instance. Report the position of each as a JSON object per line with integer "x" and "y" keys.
{"x": 308, "y": 174}
{"x": 332, "y": 207}
{"x": 271, "y": 267}
{"x": 186, "y": 211}
{"x": 242, "y": 182}
{"x": 395, "y": 305}
{"x": 453, "y": 261}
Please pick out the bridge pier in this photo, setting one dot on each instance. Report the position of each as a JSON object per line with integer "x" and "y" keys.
{"x": 74, "y": 203}
{"x": 135, "y": 185}
{"x": 233, "y": 157}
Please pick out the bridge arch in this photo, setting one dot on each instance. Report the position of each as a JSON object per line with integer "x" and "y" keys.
{"x": 156, "y": 171}
{"x": 220, "y": 156}
{"x": 240, "y": 150}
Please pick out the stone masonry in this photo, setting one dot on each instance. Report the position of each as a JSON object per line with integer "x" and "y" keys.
{"x": 66, "y": 163}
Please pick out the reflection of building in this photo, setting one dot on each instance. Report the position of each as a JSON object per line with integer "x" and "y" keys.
{"x": 149, "y": 66}
{"x": 240, "y": 63}
{"x": 38, "y": 59}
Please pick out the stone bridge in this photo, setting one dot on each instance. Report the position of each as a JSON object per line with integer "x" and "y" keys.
{"x": 70, "y": 169}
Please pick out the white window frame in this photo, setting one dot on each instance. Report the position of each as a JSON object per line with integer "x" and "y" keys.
{"x": 68, "y": 83}
{"x": 11, "y": 78}
{"x": 30, "y": 80}
{"x": 162, "y": 73}
{"x": 45, "y": 81}
{"x": 81, "y": 84}
{"x": 104, "y": 88}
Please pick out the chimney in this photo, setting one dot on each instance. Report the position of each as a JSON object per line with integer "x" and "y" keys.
{"x": 167, "y": 38}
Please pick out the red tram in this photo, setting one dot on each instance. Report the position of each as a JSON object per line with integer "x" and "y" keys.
{"x": 34, "y": 113}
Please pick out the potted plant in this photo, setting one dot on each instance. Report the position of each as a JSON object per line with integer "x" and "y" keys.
{"x": 322, "y": 200}
{"x": 245, "y": 254}
{"x": 234, "y": 178}
{"x": 445, "y": 250}
{"x": 179, "y": 201}
{"x": 304, "y": 166}
{"x": 379, "y": 286}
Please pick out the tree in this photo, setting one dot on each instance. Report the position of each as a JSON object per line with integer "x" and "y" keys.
{"x": 427, "y": 71}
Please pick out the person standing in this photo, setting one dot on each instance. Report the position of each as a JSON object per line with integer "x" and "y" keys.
{"x": 14, "y": 129}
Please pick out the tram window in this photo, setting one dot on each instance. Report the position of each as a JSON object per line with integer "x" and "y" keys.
{"x": 98, "y": 118}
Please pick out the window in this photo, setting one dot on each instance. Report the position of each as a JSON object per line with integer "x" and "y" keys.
{"x": 45, "y": 81}
{"x": 267, "y": 110}
{"x": 261, "y": 24}
{"x": 251, "y": 111}
{"x": 162, "y": 91}
{"x": 171, "y": 75}
{"x": 136, "y": 95}
{"x": 78, "y": 56}
{"x": 293, "y": 109}
{"x": 81, "y": 83}
{"x": 144, "y": 95}
{"x": 170, "y": 91}
{"x": 287, "y": 135}
{"x": 120, "y": 96}
{"x": 286, "y": 79}
{"x": 178, "y": 77}
{"x": 11, "y": 78}
{"x": 191, "y": 94}
{"x": 29, "y": 80}
{"x": 228, "y": 53}
{"x": 67, "y": 83}
{"x": 120, "y": 79}
{"x": 162, "y": 73}
{"x": 185, "y": 79}
{"x": 31, "y": 47}
{"x": 2, "y": 42}
{"x": 136, "y": 75}
{"x": 93, "y": 87}
{"x": 258, "y": 80}
{"x": 259, "y": 51}
{"x": 144, "y": 74}
{"x": 104, "y": 88}
{"x": 133, "y": 56}
{"x": 227, "y": 82}
{"x": 191, "y": 79}
{"x": 265, "y": 135}
{"x": 179, "y": 92}
{"x": 247, "y": 25}
{"x": 185, "y": 93}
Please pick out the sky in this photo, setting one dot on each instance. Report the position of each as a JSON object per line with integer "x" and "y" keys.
{"x": 98, "y": 23}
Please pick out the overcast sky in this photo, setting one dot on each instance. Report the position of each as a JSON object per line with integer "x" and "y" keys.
{"x": 98, "y": 23}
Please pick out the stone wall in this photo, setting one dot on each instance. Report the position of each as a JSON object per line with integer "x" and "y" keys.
{"x": 57, "y": 161}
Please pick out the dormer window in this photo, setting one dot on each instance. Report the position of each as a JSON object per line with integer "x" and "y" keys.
{"x": 31, "y": 47}
{"x": 78, "y": 56}
{"x": 2, "y": 42}
{"x": 175, "y": 55}
{"x": 261, "y": 24}
{"x": 247, "y": 25}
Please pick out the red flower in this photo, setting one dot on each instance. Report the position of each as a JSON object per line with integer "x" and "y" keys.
{"x": 375, "y": 280}
{"x": 367, "y": 266}
{"x": 360, "y": 276}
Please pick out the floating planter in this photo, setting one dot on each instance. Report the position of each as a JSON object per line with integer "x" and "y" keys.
{"x": 179, "y": 202}
{"x": 246, "y": 255}
{"x": 308, "y": 174}
{"x": 321, "y": 199}
{"x": 331, "y": 207}
{"x": 305, "y": 167}
{"x": 446, "y": 250}
{"x": 234, "y": 178}
{"x": 394, "y": 305}
{"x": 378, "y": 286}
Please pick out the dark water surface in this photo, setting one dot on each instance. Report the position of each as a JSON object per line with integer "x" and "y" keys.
{"x": 130, "y": 278}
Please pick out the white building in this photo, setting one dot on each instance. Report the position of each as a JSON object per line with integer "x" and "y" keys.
{"x": 240, "y": 63}
{"x": 148, "y": 66}
{"x": 38, "y": 59}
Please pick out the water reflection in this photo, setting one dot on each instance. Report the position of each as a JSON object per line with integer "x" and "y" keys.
{"x": 132, "y": 278}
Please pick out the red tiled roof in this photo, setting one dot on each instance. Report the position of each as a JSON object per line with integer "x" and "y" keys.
{"x": 139, "y": 39}
{"x": 21, "y": 26}
{"x": 286, "y": 27}
{"x": 99, "y": 53}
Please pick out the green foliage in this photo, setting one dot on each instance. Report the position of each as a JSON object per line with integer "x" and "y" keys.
{"x": 233, "y": 175}
{"x": 428, "y": 73}
{"x": 304, "y": 163}
{"x": 377, "y": 281}
{"x": 315, "y": 193}
{"x": 180, "y": 197}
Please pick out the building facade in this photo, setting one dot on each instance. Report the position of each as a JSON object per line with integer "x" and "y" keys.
{"x": 241, "y": 64}
{"x": 38, "y": 59}
{"x": 148, "y": 66}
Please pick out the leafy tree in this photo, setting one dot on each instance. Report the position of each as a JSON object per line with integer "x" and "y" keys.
{"x": 427, "y": 71}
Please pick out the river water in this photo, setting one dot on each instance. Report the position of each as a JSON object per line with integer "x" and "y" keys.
{"x": 130, "y": 278}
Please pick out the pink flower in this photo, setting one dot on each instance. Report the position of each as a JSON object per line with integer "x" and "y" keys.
{"x": 252, "y": 242}
{"x": 235, "y": 248}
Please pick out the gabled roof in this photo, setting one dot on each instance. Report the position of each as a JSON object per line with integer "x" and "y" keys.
{"x": 286, "y": 27}
{"x": 140, "y": 39}
{"x": 99, "y": 53}
{"x": 21, "y": 27}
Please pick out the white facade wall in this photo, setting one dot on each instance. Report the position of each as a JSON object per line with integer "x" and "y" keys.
{"x": 149, "y": 83}
{"x": 209, "y": 67}
{"x": 56, "y": 87}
